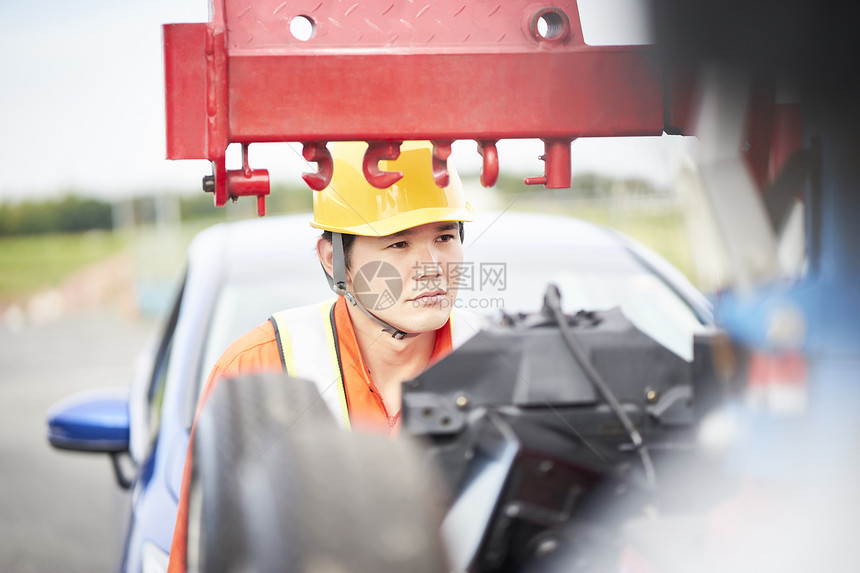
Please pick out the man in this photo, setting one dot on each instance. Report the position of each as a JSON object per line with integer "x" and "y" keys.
{"x": 390, "y": 255}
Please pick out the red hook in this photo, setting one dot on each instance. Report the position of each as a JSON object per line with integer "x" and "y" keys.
{"x": 316, "y": 151}
{"x": 377, "y": 151}
{"x": 556, "y": 159}
{"x": 490, "y": 169}
{"x": 441, "y": 153}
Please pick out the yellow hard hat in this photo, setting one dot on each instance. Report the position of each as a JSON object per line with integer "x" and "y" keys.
{"x": 352, "y": 205}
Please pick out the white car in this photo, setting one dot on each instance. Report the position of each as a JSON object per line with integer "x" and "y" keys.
{"x": 239, "y": 273}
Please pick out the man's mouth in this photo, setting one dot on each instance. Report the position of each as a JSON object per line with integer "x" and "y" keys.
{"x": 430, "y": 297}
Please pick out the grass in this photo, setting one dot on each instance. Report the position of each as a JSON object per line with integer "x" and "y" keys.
{"x": 30, "y": 263}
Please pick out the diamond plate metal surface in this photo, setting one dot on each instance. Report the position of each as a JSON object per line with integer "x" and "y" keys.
{"x": 389, "y": 25}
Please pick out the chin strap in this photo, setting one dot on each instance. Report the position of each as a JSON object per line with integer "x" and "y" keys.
{"x": 338, "y": 285}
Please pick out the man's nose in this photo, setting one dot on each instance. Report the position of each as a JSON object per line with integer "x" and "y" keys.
{"x": 429, "y": 265}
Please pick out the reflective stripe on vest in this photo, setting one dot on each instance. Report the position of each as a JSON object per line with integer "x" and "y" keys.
{"x": 308, "y": 348}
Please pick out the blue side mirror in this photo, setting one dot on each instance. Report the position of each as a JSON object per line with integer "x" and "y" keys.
{"x": 90, "y": 422}
{"x": 95, "y": 421}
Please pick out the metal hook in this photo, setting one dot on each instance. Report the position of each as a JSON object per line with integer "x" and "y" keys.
{"x": 377, "y": 151}
{"x": 317, "y": 152}
{"x": 490, "y": 168}
{"x": 441, "y": 153}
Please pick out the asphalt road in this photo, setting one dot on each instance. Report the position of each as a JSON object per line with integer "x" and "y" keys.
{"x": 60, "y": 511}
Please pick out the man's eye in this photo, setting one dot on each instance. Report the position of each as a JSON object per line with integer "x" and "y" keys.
{"x": 398, "y": 245}
{"x": 446, "y": 238}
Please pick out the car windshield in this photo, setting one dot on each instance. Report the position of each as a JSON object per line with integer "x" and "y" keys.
{"x": 588, "y": 281}
{"x": 596, "y": 283}
{"x": 248, "y": 301}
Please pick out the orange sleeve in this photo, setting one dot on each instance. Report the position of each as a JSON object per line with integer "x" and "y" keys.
{"x": 254, "y": 352}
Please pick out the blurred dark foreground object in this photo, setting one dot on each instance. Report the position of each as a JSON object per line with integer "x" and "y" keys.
{"x": 812, "y": 47}
{"x": 276, "y": 486}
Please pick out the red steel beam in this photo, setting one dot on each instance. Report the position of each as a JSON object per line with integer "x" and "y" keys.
{"x": 185, "y": 90}
{"x": 460, "y": 72}
{"x": 381, "y": 70}
{"x": 441, "y": 96}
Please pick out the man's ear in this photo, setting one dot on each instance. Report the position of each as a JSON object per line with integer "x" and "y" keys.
{"x": 326, "y": 253}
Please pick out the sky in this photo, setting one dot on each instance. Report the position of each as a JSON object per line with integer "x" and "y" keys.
{"x": 82, "y": 104}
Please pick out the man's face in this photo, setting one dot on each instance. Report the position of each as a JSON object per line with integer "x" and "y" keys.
{"x": 404, "y": 278}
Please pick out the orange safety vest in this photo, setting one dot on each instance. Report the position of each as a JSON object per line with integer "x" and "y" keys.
{"x": 327, "y": 350}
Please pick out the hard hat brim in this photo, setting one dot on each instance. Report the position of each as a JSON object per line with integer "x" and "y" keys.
{"x": 403, "y": 221}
